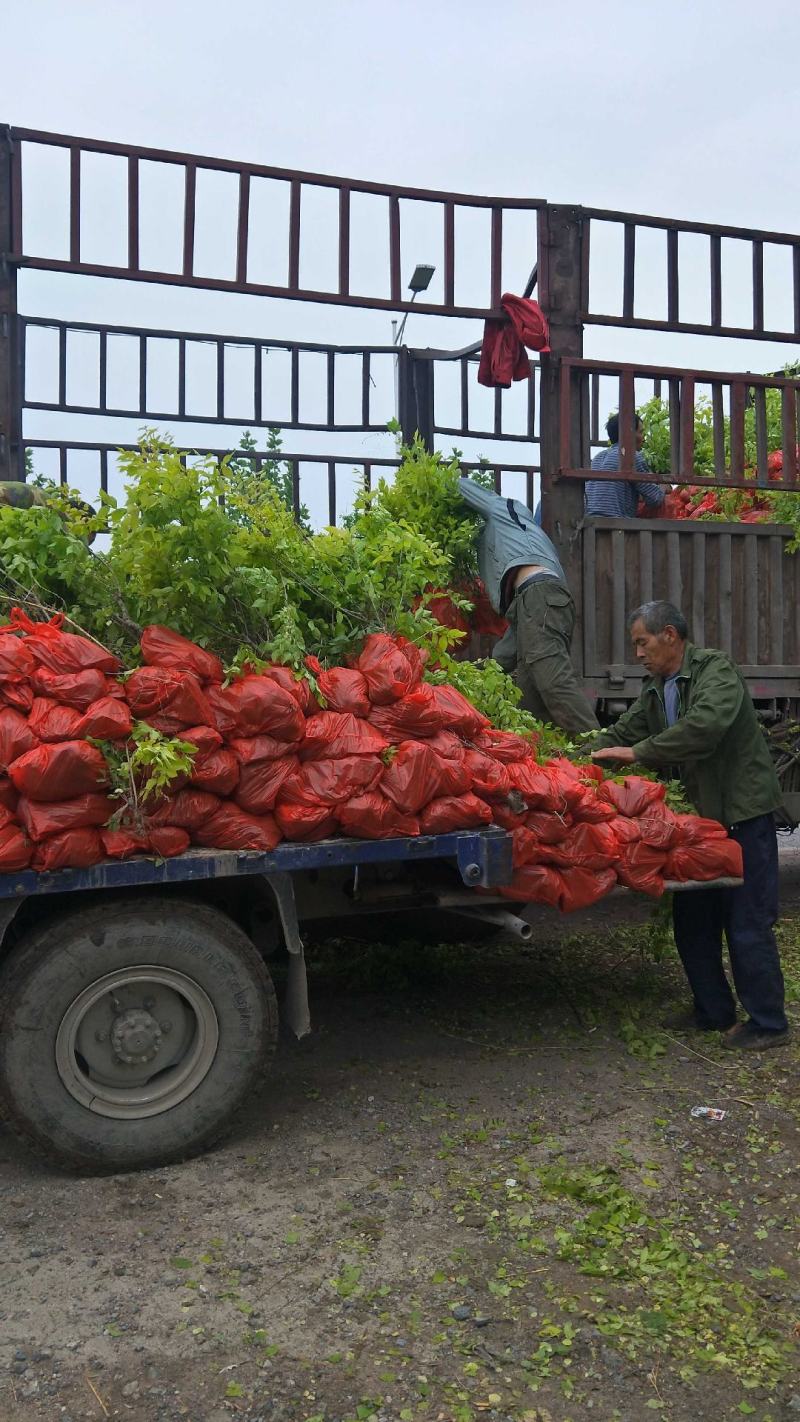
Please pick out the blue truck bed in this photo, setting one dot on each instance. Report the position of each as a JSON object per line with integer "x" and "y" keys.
{"x": 483, "y": 858}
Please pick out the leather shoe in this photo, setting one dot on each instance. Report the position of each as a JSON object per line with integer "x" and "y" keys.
{"x": 688, "y": 1021}
{"x": 748, "y": 1037}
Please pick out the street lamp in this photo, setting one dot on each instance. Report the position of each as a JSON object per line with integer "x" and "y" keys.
{"x": 420, "y": 281}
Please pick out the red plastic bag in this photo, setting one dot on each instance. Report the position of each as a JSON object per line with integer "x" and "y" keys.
{"x": 569, "y": 786}
{"x": 415, "y": 714}
{"x": 122, "y": 843}
{"x": 206, "y": 739}
{"x": 167, "y": 725}
{"x": 454, "y": 812}
{"x": 489, "y": 778}
{"x": 447, "y": 745}
{"x": 161, "y": 647}
{"x": 659, "y": 826}
{"x": 51, "y": 722}
{"x": 261, "y": 781}
{"x": 16, "y": 661}
{"x": 371, "y": 816}
{"x": 626, "y": 830}
{"x": 549, "y": 829}
{"x": 410, "y": 779}
{"x": 108, "y": 719}
{"x": 634, "y": 796}
{"x": 534, "y": 884}
{"x": 344, "y": 689}
{"x": 386, "y": 669}
{"x": 188, "y": 809}
{"x": 61, "y": 651}
{"x": 506, "y": 818}
{"x": 232, "y": 828}
{"x": 458, "y": 714}
{"x": 535, "y": 784}
{"x": 333, "y": 733}
{"x": 306, "y": 822}
{"x": 694, "y": 830}
{"x": 17, "y": 693}
{"x": 331, "y": 782}
{"x": 8, "y": 795}
{"x": 76, "y": 689}
{"x": 641, "y": 867}
{"x": 583, "y": 887}
{"x": 217, "y": 771}
{"x": 592, "y": 772}
{"x": 716, "y": 859}
{"x": 526, "y": 847}
{"x": 252, "y": 750}
{"x": 505, "y": 746}
{"x": 452, "y": 778}
{"x": 15, "y": 849}
{"x": 168, "y": 840}
{"x": 586, "y": 846}
{"x": 417, "y": 657}
{"x": 16, "y": 736}
{"x": 60, "y": 771}
{"x": 441, "y": 606}
{"x": 40, "y": 818}
{"x": 590, "y": 807}
{"x": 160, "y": 691}
{"x": 252, "y": 705}
{"x": 73, "y": 849}
{"x": 296, "y": 685}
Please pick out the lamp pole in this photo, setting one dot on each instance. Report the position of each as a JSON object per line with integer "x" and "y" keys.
{"x": 420, "y": 281}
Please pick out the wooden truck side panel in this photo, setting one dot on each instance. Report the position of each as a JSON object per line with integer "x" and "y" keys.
{"x": 735, "y": 583}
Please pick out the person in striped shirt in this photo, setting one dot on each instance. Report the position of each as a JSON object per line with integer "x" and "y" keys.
{"x": 619, "y": 498}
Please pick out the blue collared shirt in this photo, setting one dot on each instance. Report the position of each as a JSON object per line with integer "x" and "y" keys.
{"x": 612, "y": 498}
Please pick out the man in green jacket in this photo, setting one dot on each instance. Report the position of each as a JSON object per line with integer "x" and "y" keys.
{"x": 525, "y": 582}
{"x": 695, "y": 718}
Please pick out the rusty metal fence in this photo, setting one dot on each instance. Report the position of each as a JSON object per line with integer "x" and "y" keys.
{"x": 560, "y": 424}
{"x": 726, "y": 398}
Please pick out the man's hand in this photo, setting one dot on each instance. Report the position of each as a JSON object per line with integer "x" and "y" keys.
{"x": 623, "y": 754}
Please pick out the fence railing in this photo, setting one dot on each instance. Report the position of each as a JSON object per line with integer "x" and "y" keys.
{"x": 747, "y": 282}
{"x": 361, "y": 471}
{"x": 745, "y": 417}
{"x": 264, "y": 206}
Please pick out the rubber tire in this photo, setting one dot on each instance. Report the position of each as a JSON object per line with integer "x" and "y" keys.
{"x": 52, "y": 964}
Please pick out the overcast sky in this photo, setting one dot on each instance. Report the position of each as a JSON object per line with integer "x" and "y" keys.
{"x": 684, "y": 108}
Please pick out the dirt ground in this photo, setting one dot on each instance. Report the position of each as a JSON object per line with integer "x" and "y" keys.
{"x": 477, "y": 1190}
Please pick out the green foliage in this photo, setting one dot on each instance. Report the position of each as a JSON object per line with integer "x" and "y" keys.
{"x": 425, "y": 496}
{"x": 39, "y": 554}
{"x": 212, "y": 549}
{"x": 249, "y": 475}
{"x": 144, "y": 767}
{"x": 670, "y": 1296}
{"x": 657, "y": 448}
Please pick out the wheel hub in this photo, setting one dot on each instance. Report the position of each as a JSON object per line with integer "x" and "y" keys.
{"x": 137, "y": 1042}
{"x": 135, "y": 1036}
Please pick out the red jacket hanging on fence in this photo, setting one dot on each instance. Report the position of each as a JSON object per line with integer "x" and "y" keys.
{"x": 503, "y": 357}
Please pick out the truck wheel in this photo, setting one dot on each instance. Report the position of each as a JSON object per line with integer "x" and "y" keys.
{"x": 131, "y": 1034}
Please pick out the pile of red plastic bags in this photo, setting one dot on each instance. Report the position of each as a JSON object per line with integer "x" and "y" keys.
{"x": 374, "y": 752}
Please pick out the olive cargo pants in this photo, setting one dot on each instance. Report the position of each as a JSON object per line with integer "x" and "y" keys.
{"x": 535, "y": 650}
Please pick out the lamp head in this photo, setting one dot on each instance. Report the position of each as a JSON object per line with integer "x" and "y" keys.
{"x": 421, "y": 278}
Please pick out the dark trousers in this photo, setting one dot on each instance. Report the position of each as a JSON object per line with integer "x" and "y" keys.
{"x": 747, "y": 917}
{"x": 536, "y": 648}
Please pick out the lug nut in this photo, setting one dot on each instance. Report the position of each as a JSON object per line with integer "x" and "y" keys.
{"x": 166, "y": 1026}
{"x": 101, "y": 1036}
